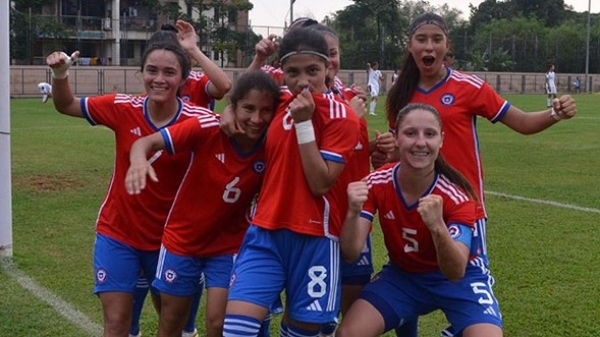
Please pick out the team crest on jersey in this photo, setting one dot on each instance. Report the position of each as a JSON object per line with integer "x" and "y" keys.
{"x": 170, "y": 275}
{"x": 186, "y": 98}
{"x": 101, "y": 275}
{"x": 259, "y": 166}
{"x": 454, "y": 231}
{"x": 447, "y": 99}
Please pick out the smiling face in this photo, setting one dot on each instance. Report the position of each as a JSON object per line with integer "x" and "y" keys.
{"x": 162, "y": 74}
{"x": 419, "y": 138}
{"x": 334, "y": 55}
{"x": 254, "y": 112}
{"x": 302, "y": 70}
{"x": 428, "y": 46}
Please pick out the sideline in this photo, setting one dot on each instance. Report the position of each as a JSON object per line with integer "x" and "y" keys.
{"x": 73, "y": 315}
{"x": 546, "y": 202}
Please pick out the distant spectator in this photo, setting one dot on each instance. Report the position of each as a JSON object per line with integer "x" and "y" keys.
{"x": 395, "y": 75}
{"x": 577, "y": 85}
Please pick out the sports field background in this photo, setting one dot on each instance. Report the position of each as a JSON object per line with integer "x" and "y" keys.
{"x": 543, "y": 202}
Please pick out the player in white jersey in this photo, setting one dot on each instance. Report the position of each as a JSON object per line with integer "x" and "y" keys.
{"x": 46, "y": 90}
{"x": 550, "y": 85}
{"x": 374, "y": 80}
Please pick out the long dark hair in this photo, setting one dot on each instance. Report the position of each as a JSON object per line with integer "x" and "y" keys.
{"x": 440, "y": 164}
{"x": 402, "y": 89}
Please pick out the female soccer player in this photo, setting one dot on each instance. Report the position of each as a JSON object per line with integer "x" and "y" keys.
{"x": 460, "y": 98}
{"x": 200, "y": 88}
{"x": 357, "y": 274}
{"x": 427, "y": 213}
{"x": 308, "y": 143}
{"x": 208, "y": 219}
{"x": 129, "y": 228}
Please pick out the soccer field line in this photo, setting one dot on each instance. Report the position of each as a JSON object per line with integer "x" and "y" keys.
{"x": 63, "y": 307}
{"x": 545, "y": 202}
{"x": 86, "y": 324}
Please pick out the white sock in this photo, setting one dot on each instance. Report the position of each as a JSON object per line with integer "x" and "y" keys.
{"x": 372, "y": 107}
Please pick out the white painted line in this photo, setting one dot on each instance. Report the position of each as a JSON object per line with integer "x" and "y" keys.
{"x": 62, "y": 307}
{"x": 546, "y": 202}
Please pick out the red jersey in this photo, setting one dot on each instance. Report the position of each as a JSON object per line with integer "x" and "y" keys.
{"x": 359, "y": 165}
{"x": 285, "y": 200}
{"x": 460, "y": 98}
{"x": 208, "y": 217}
{"x": 407, "y": 238}
{"x": 275, "y": 73}
{"x": 136, "y": 220}
{"x": 195, "y": 89}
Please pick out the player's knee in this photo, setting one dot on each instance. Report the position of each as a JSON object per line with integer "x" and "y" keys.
{"x": 344, "y": 331}
{"x": 215, "y": 321}
{"x": 116, "y": 325}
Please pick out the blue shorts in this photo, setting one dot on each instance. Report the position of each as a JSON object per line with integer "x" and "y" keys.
{"x": 401, "y": 296}
{"x": 183, "y": 275}
{"x": 217, "y": 270}
{"x": 359, "y": 272}
{"x": 306, "y": 266}
{"x": 117, "y": 266}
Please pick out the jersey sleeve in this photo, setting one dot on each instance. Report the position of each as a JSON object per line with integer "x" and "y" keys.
{"x": 100, "y": 110}
{"x": 460, "y": 213}
{"x": 342, "y": 132}
{"x": 189, "y": 134}
{"x": 488, "y": 104}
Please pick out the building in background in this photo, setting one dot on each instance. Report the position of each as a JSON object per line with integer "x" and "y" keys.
{"x": 114, "y": 32}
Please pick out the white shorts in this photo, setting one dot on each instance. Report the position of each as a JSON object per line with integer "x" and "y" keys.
{"x": 373, "y": 90}
{"x": 550, "y": 89}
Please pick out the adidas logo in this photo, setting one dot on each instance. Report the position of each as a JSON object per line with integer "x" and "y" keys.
{"x": 314, "y": 306}
{"x": 220, "y": 157}
{"x": 490, "y": 311}
{"x": 364, "y": 261}
{"x": 358, "y": 146}
{"x": 136, "y": 131}
{"x": 389, "y": 215}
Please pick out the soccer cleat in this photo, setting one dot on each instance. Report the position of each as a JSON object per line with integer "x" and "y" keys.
{"x": 45, "y": 98}
{"x": 189, "y": 334}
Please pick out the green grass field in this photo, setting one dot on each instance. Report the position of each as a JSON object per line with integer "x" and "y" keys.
{"x": 543, "y": 255}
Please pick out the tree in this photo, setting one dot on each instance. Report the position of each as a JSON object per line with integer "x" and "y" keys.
{"x": 550, "y": 12}
{"x": 487, "y": 11}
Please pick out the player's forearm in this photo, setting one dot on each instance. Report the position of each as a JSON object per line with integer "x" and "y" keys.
{"x": 452, "y": 256}
{"x": 319, "y": 174}
{"x": 257, "y": 63}
{"x": 143, "y": 146}
{"x": 353, "y": 237}
{"x": 63, "y": 98}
